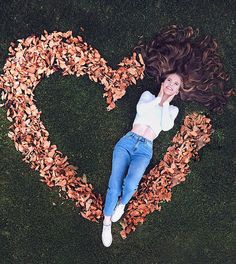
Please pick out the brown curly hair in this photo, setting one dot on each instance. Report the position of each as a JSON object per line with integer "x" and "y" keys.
{"x": 196, "y": 61}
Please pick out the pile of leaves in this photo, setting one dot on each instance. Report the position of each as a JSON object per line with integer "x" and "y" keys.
{"x": 28, "y": 62}
{"x": 156, "y": 186}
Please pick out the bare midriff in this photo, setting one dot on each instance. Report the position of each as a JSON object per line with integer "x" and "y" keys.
{"x": 144, "y": 130}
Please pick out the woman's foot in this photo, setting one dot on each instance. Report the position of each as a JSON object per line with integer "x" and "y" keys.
{"x": 106, "y": 233}
{"x": 118, "y": 212}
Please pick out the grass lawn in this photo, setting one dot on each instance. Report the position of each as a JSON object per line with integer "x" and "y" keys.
{"x": 36, "y": 225}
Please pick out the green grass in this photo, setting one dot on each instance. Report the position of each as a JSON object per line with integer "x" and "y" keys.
{"x": 37, "y": 226}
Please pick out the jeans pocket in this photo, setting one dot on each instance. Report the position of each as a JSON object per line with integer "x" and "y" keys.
{"x": 148, "y": 145}
{"x": 122, "y": 140}
{"x": 148, "y": 149}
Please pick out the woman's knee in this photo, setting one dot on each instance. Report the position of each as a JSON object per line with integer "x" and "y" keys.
{"x": 114, "y": 190}
{"x": 130, "y": 187}
{"x": 132, "y": 181}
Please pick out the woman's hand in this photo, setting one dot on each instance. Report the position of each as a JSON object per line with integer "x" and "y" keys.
{"x": 169, "y": 99}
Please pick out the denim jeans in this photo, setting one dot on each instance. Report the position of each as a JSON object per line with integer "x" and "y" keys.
{"x": 131, "y": 156}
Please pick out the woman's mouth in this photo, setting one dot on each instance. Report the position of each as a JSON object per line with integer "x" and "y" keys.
{"x": 169, "y": 88}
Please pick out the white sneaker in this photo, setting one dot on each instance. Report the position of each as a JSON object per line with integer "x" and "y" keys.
{"x": 118, "y": 212}
{"x": 106, "y": 235}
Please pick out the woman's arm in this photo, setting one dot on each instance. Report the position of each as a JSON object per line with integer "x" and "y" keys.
{"x": 145, "y": 104}
{"x": 169, "y": 113}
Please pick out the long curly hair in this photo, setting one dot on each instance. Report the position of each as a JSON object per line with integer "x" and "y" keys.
{"x": 178, "y": 50}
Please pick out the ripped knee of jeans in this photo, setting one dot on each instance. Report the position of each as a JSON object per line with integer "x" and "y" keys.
{"x": 113, "y": 190}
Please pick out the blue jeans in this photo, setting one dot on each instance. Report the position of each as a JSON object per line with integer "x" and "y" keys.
{"x": 131, "y": 156}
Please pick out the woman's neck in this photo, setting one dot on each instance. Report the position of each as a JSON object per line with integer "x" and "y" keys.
{"x": 163, "y": 99}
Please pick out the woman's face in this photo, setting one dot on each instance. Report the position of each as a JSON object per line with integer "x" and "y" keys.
{"x": 172, "y": 84}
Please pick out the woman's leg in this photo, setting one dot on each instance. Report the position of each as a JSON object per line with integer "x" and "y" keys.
{"x": 141, "y": 155}
{"x": 120, "y": 164}
{"x": 136, "y": 170}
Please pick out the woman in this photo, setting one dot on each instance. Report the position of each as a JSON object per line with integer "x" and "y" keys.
{"x": 183, "y": 67}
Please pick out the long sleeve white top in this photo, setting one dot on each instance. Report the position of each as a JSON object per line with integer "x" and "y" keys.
{"x": 150, "y": 113}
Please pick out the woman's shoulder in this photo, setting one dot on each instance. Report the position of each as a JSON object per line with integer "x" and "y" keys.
{"x": 174, "y": 109}
{"x": 147, "y": 94}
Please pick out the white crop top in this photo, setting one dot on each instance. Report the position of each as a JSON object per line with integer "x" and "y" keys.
{"x": 150, "y": 113}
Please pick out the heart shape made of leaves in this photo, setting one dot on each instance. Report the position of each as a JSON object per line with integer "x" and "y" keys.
{"x": 31, "y": 60}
